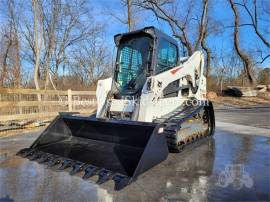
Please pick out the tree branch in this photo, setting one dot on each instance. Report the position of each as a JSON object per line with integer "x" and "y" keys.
{"x": 254, "y": 20}
{"x": 244, "y": 57}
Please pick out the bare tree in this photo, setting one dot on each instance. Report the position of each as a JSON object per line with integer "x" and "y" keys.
{"x": 244, "y": 56}
{"x": 130, "y": 22}
{"x": 37, "y": 41}
{"x": 61, "y": 26}
{"x": 16, "y": 69}
{"x": 128, "y": 17}
{"x": 203, "y": 35}
{"x": 178, "y": 25}
{"x": 232, "y": 65}
{"x": 10, "y": 71}
{"x": 254, "y": 16}
{"x": 92, "y": 60}
{"x": 47, "y": 35}
{"x": 50, "y": 20}
{"x": 254, "y": 20}
{"x": 182, "y": 25}
{"x": 6, "y": 44}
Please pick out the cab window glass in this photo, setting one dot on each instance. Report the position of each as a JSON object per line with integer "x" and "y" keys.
{"x": 166, "y": 57}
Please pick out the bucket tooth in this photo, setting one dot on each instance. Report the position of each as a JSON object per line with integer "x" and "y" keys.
{"x": 55, "y": 160}
{"x": 104, "y": 175}
{"x": 30, "y": 154}
{"x": 65, "y": 164}
{"x": 24, "y": 152}
{"x": 44, "y": 158}
{"x": 35, "y": 156}
{"x": 120, "y": 181}
{"x": 27, "y": 152}
{"x": 90, "y": 170}
{"x": 76, "y": 167}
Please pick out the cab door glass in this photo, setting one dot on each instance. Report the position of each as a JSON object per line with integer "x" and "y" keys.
{"x": 166, "y": 57}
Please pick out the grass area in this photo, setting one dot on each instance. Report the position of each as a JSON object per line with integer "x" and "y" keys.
{"x": 261, "y": 98}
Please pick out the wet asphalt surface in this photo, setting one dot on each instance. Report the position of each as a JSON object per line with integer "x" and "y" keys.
{"x": 257, "y": 116}
{"x": 231, "y": 166}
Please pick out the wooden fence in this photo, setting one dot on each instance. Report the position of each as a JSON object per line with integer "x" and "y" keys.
{"x": 22, "y": 106}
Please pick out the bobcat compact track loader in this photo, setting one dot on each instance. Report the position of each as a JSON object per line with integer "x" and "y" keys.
{"x": 154, "y": 103}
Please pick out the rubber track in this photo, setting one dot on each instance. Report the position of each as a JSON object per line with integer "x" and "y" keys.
{"x": 173, "y": 121}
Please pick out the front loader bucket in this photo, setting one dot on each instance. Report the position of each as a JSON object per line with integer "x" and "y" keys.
{"x": 117, "y": 150}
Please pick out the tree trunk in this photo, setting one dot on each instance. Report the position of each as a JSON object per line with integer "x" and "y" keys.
{"x": 37, "y": 50}
{"x": 4, "y": 71}
{"x": 14, "y": 37}
{"x": 244, "y": 56}
{"x": 17, "y": 62}
{"x": 130, "y": 23}
{"x": 203, "y": 35}
{"x": 208, "y": 58}
{"x": 203, "y": 25}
